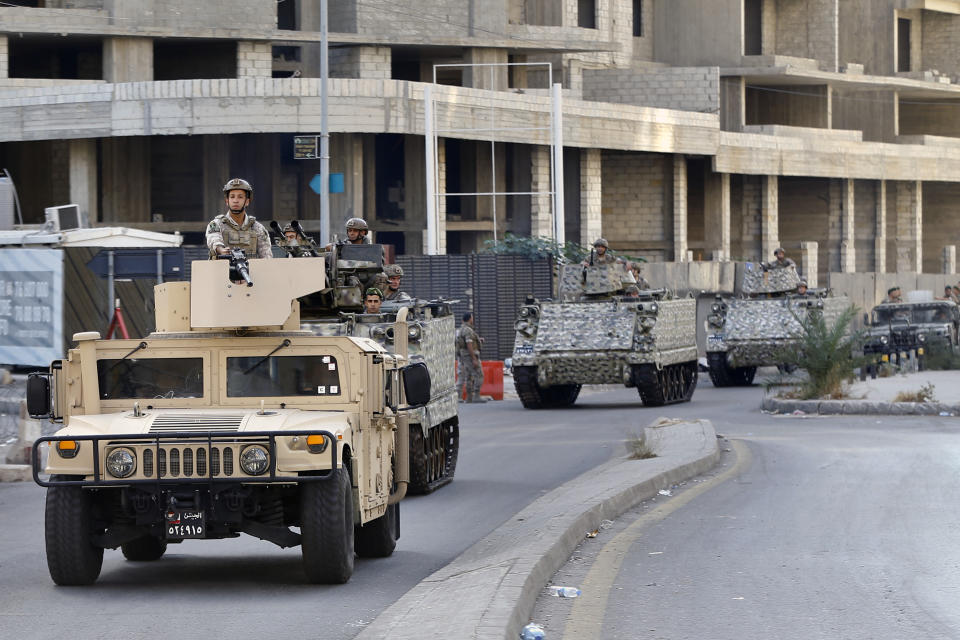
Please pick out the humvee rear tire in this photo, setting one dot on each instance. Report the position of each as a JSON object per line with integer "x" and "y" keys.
{"x": 533, "y": 396}
{"x": 145, "y": 549}
{"x": 378, "y": 538}
{"x": 326, "y": 528}
{"x": 69, "y": 524}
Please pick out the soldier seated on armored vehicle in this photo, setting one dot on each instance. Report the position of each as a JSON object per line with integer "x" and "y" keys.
{"x": 372, "y": 301}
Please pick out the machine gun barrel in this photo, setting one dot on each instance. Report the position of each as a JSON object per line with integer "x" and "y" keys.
{"x": 313, "y": 245}
{"x": 239, "y": 267}
{"x": 277, "y": 230}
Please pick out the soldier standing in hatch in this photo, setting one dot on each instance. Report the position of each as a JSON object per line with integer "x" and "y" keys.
{"x": 468, "y": 355}
{"x": 781, "y": 260}
{"x": 392, "y": 293}
{"x": 601, "y": 255}
{"x": 235, "y": 229}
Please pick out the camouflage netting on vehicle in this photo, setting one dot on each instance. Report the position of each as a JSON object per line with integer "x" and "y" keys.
{"x": 577, "y": 281}
{"x": 585, "y": 327}
{"x": 756, "y": 280}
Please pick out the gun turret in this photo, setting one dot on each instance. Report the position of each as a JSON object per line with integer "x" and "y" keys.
{"x": 303, "y": 234}
{"x": 350, "y": 270}
{"x": 239, "y": 267}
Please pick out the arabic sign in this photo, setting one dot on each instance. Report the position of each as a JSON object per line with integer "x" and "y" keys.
{"x": 305, "y": 147}
{"x": 31, "y": 306}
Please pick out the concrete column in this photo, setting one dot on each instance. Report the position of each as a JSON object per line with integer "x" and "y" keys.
{"x": 679, "y": 208}
{"x": 541, "y": 209}
{"x": 441, "y": 202}
{"x": 733, "y": 103}
{"x": 4, "y": 58}
{"x": 717, "y": 215}
{"x": 848, "y": 258}
{"x": 591, "y": 195}
{"x": 128, "y": 59}
{"x": 254, "y": 59}
{"x": 950, "y": 259}
{"x": 769, "y": 216}
{"x": 83, "y": 176}
{"x": 909, "y": 225}
{"x": 216, "y": 172}
{"x": 808, "y": 262}
{"x": 880, "y": 231}
{"x": 493, "y": 78}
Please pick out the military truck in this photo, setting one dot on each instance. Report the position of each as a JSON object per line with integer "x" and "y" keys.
{"x": 920, "y": 323}
{"x": 228, "y": 419}
{"x": 430, "y": 339}
{"x": 594, "y": 334}
{"x": 755, "y": 329}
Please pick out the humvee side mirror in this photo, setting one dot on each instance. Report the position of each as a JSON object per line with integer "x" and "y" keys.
{"x": 38, "y": 395}
{"x": 416, "y": 384}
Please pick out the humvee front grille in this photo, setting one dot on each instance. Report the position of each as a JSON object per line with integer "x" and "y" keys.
{"x": 180, "y": 422}
{"x": 189, "y": 461}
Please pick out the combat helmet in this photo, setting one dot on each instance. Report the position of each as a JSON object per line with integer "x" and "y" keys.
{"x": 357, "y": 223}
{"x": 393, "y": 270}
{"x": 601, "y": 242}
{"x": 238, "y": 183}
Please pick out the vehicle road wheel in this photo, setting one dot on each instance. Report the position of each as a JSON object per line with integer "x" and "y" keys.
{"x": 745, "y": 375}
{"x": 525, "y": 381}
{"x": 144, "y": 549}
{"x": 720, "y": 371}
{"x": 378, "y": 538}
{"x": 72, "y": 557}
{"x": 419, "y": 478}
{"x": 326, "y": 528}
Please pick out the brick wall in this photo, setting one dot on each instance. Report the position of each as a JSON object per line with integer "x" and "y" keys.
{"x": 254, "y": 59}
{"x": 635, "y": 206}
{"x": 808, "y": 29}
{"x": 939, "y": 222}
{"x": 360, "y": 62}
{"x": 941, "y": 32}
{"x": 591, "y": 195}
{"x": 683, "y": 88}
{"x": 805, "y": 207}
{"x": 865, "y": 224}
{"x": 4, "y": 58}
{"x": 745, "y": 198}
{"x": 217, "y": 14}
{"x": 429, "y": 17}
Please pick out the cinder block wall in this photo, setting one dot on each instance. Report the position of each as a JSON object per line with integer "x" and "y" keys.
{"x": 635, "y": 203}
{"x": 684, "y": 88}
{"x": 865, "y": 223}
{"x": 939, "y": 222}
{"x": 941, "y": 32}
{"x": 360, "y": 62}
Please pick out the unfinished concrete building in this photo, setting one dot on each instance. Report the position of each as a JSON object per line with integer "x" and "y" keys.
{"x": 692, "y": 129}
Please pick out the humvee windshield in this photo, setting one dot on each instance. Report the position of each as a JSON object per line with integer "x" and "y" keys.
{"x": 150, "y": 378}
{"x": 257, "y": 376}
{"x": 913, "y": 314}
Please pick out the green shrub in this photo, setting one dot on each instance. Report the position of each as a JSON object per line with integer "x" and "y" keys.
{"x": 826, "y": 353}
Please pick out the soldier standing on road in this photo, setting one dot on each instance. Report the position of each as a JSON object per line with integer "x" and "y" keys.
{"x": 468, "y": 355}
{"x": 394, "y": 274}
{"x": 893, "y": 296}
{"x": 235, "y": 229}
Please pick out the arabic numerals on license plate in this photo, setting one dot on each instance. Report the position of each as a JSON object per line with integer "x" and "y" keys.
{"x": 525, "y": 349}
{"x": 184, "y": 530}
{"x": 715, "y": 339}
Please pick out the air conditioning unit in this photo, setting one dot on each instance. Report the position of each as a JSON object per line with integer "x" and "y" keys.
{"x": 66, "y": 216}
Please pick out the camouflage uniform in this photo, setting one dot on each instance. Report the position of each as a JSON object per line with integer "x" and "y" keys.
{"x": 250, "y": 236}
{"x": 778, "y": 264}
{"x": 471, "y": 375}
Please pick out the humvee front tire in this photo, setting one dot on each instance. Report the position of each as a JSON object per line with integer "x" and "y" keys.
{"x": 145, "y": 549}
{"x": 378, "y": 538}
{"x": 533, "y": 396}
{"x": 326, "y": 528}
{"x": 72, "y": 558}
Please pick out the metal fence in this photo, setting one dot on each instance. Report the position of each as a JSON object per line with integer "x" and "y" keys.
{"x": 492, "y": 286}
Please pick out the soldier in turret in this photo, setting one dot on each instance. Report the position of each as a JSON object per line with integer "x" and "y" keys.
{"x": 392, "y": 293}
{"x": 372, "y": 300}
{"x": 236, "y": 229}
{"x": 601, "y": 253}
{"x": 781, "y": 261}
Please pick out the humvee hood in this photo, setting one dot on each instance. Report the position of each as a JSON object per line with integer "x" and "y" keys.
{"x": 220, "y": 421}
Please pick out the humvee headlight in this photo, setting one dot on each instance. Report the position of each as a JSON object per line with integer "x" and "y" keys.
{"x": 68, "y": 448}
{"x": 254, "y": 460}
{"x": 414, "y": 333}
{"x": 121, "y": 462}
{"x": 317, "y": 443}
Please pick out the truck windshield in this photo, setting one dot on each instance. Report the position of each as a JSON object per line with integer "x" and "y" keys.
{"x": 152, "y": 378}
{"x": 256, "y": 376}
{"x": 915, "y": 314}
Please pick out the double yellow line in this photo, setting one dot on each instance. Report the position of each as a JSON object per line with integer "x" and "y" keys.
{"x": 586, "y": 616}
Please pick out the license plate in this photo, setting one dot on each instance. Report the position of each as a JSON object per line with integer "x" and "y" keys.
{"x": 186, "y": 524}
{"x": 715, "y": 340}
{"x": 524, "y": 349}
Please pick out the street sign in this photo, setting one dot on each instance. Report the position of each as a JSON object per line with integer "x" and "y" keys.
{"x": 31, "y": 306}
{"x": 138, "y": 263}
{"x": 305, "y": 147}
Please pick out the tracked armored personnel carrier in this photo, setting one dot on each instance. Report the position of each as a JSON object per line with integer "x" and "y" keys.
{"x": 430, "y": 339}
{"x": 228, "y": 419}
{"x": 593, "y": 334}
{"x": 755, "y": 329}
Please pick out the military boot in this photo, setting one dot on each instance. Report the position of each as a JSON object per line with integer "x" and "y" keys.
{"x": 475, "y": 397}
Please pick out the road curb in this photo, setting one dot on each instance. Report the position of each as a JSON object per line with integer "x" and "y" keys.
{"x": 489, "y": 591}
{"x": 858, "y": 407}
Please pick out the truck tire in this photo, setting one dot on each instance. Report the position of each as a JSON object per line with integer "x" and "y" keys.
{"x": 145, "y": 549}
{"x": 378, "y": 538}
{"x": 69, "y": 524}
{"x": 326, "y": 528}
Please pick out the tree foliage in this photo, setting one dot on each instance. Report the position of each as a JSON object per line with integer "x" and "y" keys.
{"x": 827, "y": 352}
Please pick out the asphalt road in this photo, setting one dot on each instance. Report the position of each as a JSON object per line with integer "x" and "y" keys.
{"x": 839, "y": 527}
{"x": 249, "y": 588}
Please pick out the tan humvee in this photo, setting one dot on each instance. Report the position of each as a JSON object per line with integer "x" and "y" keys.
{"x": 228, "y": 419}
